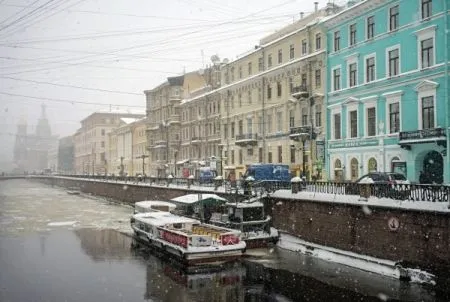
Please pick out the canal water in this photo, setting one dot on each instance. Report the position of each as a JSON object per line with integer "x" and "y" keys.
{"x": 60, "y": 247}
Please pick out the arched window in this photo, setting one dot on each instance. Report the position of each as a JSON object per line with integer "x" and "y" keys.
{"x": 337, "y": 164}
{"x": 354, "y": 167}
{"x": 372, "y": 165}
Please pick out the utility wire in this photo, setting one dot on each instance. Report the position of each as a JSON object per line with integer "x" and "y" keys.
{"x": 67, "y": 101}
{"x": 72, "y": 86}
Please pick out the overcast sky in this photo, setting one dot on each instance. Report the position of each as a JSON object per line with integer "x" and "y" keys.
{"x": 116, "y": 49}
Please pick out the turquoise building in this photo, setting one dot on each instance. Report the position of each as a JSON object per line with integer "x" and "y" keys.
{"x": 387, "y": 89}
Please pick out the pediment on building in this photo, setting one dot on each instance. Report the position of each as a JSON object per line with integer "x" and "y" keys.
{"x": 426, "y": 85}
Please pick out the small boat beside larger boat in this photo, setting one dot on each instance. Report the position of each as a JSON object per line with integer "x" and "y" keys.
{"x": 246, "y": 216}
{"x": 187, "y": 239}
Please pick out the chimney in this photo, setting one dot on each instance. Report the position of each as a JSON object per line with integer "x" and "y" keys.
{"x": 301, "y": 15}
{"x": 316, "y": 6}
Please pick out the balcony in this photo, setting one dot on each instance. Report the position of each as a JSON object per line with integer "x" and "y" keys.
{"x": 296, "y": 133}
{"x": 160, "y": 144}
{"x": 195, "y": 140}
{"x": 300, "y": 92}
{"x": 407, "y": 138}
{"x": 246, "y": 139}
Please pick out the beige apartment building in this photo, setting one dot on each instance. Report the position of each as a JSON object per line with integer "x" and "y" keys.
{"x": 272, "y": 101}
{"x": 126, "y": 147}
{"x": 90, "y": 141}
{"x": 164, "y": 130}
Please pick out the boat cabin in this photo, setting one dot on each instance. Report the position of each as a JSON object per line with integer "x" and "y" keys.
{"x": 153, "y": 205}
{"x": 193, "y": 204}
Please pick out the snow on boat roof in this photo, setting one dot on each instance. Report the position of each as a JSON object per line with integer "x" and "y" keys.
{"x": 243, "y": 204}
{"x": 161, "y": 218}
{"x": 150, "y": 203}
{"x": 193, "y": 198}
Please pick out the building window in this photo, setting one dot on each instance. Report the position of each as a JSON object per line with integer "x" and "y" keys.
{"x": 240, "y": 157}
{"x": 240, "y": 100}
{"x": 304, "y": 80}
{"x": 269, "y": 60}
{"x": 318, "y": 78}
{"x": 279, "y": 89}
{"x": 370, "y": 69}
{"x": 353, "y": 123}
{"x": 260, "y": 64}
{"x": 232, "y": 157}
{"x": 269, "y": 92}
{"x": 232, "y": 129}
{"x": 103, "y": 132}
{"x": 260, "y": 155}
{"x": 249, "y": 96}
{"x": 269, "y": 155}
{"x": 337, "y": 125}
{"x": 280, "y": 56}
{"x": 318, "y": 41}
{"x": 250, "y": 152}
{"x": 371, "y": 121}
{"x": 232, "y": 74}
{"x": 291, "y": 118}
{"x": 291, "y": 85}
{"x": 102, "y": 144}
{"x": 291, "y": 51}
{"x": 393, "y": 18}
{"x": 304, "y": 47}
{"x": 370, "y": 27}
{"x": 318, "y": 116}
{"x": 240, "y": 72}
{"x": 428, "y": 112}
{"x": 249, "y": 68}
{"x": 304, "y": 116}
{"x": 240, "y": 127}
{"x": 354, "y": 167}
{"x": 427, "y": 51}
{"x": 394, "y": 117}
{"x": 279, "y": 121}
{"x": 426, "y": 8}
{"x": 352, "y": 73}
{"x": 394, "y": 62}
{"x": 269, "y": 123}
{"x": 372, "y": 165}
{"x": 337, "y": 79}
{"x": 337, "y": 40}
{"x": 280, "y": 154}
{"x": 292, "y": 149}
{"x": 352, "y": 34}
{"x": 249, "y": 126}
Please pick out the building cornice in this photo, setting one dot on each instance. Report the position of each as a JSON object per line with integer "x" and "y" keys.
{"x": 353, "y": 12}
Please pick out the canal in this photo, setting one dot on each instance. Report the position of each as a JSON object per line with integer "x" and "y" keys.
{"x": 60, "y": 247}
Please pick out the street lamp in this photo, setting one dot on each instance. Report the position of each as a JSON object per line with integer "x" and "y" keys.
{"x": 143, "y": 156}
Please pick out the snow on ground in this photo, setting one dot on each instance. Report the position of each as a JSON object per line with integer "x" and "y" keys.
{"x": 62, "y": 223}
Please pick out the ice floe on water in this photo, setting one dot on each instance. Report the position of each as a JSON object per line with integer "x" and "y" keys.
{"x": 62, "y": 223}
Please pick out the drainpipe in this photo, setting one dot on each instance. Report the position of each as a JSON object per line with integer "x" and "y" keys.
{"x": 446, "y": 89}
{"x": 263, "y": 89}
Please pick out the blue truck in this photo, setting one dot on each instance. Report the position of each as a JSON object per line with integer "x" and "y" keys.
{"x": 270, "y": 176}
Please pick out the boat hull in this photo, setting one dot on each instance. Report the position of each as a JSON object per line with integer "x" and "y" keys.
{"x": 189, "y": 257}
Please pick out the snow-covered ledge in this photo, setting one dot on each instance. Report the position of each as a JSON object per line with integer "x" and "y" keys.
{"x": 371, "y": 201}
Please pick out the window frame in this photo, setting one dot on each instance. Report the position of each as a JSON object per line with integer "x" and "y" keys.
{"x": 352, "y": 108}
{"x": 291, "y": 51}
{"x": 370, "y": 28}
{"x": 366, "y": 66}
{"x": 280, "y": 56}
{"x": 337, "y": 40}
{"x": 352, "y": 32}
{"x": 424, "y": 94}
{"x": 388, "y": 71}
{"x": 392, "y": 98}
{"x": 422, "y": 35}
{"x": 318, "y": 41}
{"x": 304, "y": 47}
{"x": 393, "y": 16}
{"x": 334, "y": 131}
{"x": 333, "y": 83}
{"x": 350, "y": 73}
{"x": 429, "y": 5}
{"x": 367, "y": 106}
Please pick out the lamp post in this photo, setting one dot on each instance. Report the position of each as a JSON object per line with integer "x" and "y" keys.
{"x": 143, "y": 156}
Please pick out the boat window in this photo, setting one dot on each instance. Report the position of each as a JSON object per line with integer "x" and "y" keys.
{"x": 253, "y": 214}
{"x": 177, "y": 225}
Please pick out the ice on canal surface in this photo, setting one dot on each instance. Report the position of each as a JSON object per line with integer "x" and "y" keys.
{"x": 37, "y": 207}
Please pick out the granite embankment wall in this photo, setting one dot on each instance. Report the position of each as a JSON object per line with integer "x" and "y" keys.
{"x": 422, "y": 238}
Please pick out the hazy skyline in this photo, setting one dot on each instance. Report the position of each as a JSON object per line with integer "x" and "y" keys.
{"x": 80, "y": 56}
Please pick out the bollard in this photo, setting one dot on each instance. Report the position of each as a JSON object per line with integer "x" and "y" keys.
{"x": 218, "y": 180}
{"x": 190, "y": 181}
{"x": 296, "y": 184}
{"x": 169, "y": 179}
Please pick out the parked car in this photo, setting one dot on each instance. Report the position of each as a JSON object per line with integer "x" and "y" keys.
{"x": 387, "y": 184}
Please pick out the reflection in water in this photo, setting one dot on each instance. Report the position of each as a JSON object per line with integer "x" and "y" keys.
{"x": 103, "y": 245}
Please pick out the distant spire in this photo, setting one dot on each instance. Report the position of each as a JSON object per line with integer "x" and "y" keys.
{"x": 43, "y": 114}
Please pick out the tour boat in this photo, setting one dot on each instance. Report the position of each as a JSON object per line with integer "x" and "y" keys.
{"x": 248, "y": 217}
{"x": 187, "y": 239}
{"x": 245, "y": 216}
{"x": 153, "y": 205}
